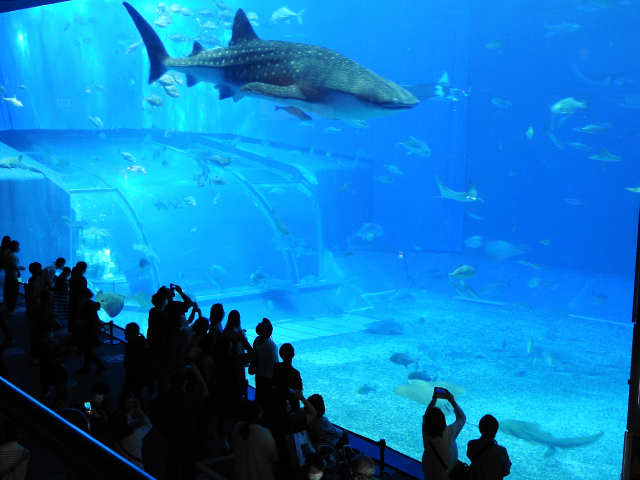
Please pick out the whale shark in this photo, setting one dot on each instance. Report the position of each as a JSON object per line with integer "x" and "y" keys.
{"x": 531, "y": 433}
{"x": 311, "y": 78}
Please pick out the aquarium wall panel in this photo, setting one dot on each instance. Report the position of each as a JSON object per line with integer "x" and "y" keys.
{"x": 32, "y": 208}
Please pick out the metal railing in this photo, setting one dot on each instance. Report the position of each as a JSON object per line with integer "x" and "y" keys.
{"x": 77, "y": 449}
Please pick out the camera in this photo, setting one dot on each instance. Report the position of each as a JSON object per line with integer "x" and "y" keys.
{"x": 440, "y": 390}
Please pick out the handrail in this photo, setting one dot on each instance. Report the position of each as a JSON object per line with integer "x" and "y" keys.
{"x": 71, "y": 444}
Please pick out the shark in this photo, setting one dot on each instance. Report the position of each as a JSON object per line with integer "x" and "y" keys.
{"x": 531, "y": 433}
{"x": 311, "y": 78}
{"x": 470, "y": 196}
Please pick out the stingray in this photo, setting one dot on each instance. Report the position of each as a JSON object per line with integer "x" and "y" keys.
{"x": 531, "y": 433}
{"x": 403, "y": 359}
{"x": 112, "y": 303}
{"x": 422, "y": 392}
{"x": 385, "y": 327}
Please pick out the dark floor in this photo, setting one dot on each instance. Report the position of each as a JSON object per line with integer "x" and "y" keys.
{"x": 46, "y": 466}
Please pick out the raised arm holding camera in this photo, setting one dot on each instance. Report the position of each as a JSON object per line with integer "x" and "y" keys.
{"x": 440, "y": 456}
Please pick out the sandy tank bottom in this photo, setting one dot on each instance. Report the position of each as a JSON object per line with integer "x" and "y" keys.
{"x": 568, "y": 375}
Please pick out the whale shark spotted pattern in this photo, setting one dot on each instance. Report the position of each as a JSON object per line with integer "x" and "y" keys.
{"x": 314, "y": 79}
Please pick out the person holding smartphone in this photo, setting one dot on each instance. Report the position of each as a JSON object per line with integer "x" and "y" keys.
{"x": 440, "y": 449}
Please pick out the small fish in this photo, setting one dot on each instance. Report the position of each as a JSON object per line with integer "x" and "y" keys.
{"x": 556, "y": 142}
{"x": 343, "y": 187}
{"x": 163, "y": 21}
{"x": 296, "y": 112}
{"x": 366, "y": 390}
{"x": 416, "y": 146}
{"x": 172, "y": 91}
{"x": 216, "y": 199}
{"x": 332, "y": 130}
{"x": 501, "y": 102}
{"x": 13, "y": 101}
{"x": 177, "y": 38}
{"x": 470, "y": 290}
{"x": 160, "y": 205}
{"x": 473, "y": 242}
{"x": 99, "y": 87}
{"x": 494, "y": 45}
{"x": 529, "y": 344}
{"x": 357, "y": 124}
{"x": 190, "y": 200}
{"x": 545, "y": 242}
{"x": 579, "y": 146}
{"x": 284, "y": 15}
{"x": 127, "y": 156}
{"x": 574, "y": 201}
{"x": 474, "y": 216}
{"x": 564, "y": 27}
{"x": 219, "y": 268}
{"x": 277, "y": 191}
{"x": 493, "y": 288}
{"x": 529, "y": 133}
{"x": 153, "y": 100}
{"x": 385, "y": 179}
{"x": 593, "y": 128}
{"x": 599, "y": 300}
{"x": 393, "y": 169}
{"x": 96, "y": 121}
{"x": 567, "y": 106}
{"x": 527, "y": 264}
{"x": 218, "y": 181}
{"x": 403, "y": 359}
{"x": 134, "y": 46}
{"x": 22, "y": 87}
{"x": 463, "y": 272}
{"x": 166, "y": 80}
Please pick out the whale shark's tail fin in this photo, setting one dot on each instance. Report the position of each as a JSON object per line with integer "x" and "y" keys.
{"x": 155, "y": 49}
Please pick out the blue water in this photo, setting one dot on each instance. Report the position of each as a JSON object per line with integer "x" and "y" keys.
{"x": 540, "y": 333}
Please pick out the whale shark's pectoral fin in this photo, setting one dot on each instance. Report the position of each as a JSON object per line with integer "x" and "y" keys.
{"x": 291, "y": 92}
{"x": 551, "y": 451}
{"x": 191, "y": 80}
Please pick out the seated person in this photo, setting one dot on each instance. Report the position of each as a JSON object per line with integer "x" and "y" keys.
{"x": 285, "y": 422}
{"x": 321, "y": 429}
{"x": 362, "y": 467}
{"x": 314, "y": 466}
{"x": 127, "y": 438}
{"x": 489, "y": 461}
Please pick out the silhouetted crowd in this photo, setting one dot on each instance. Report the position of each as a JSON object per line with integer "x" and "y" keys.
{"x": 188, "y": 380}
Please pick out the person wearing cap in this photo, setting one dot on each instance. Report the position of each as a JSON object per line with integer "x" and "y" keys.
{"x": 266, "y": 357}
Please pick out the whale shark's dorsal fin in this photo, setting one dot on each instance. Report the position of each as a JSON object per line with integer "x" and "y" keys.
{"x": 242, "y": 30}
{"x": 197, "y": 48}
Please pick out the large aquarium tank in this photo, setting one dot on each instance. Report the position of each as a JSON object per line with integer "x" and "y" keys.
{"x": 464, "y": 217}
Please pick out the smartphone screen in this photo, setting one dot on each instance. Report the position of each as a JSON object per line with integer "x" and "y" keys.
{"x": 439, "y": 390}
{"x": 87, "y": 407}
